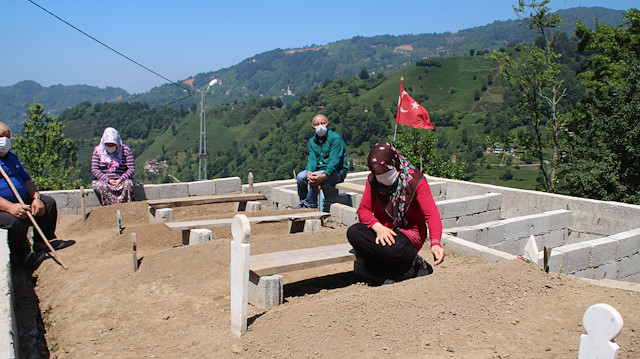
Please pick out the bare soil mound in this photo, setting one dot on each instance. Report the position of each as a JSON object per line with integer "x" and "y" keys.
{"x": 177, "y": 304}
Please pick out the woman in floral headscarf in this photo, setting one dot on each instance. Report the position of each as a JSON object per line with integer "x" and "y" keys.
{"x": 394, "y": 212}
{"x": 113, "y": 167}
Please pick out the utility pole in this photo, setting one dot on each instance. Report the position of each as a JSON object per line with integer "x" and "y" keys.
{"x": 203, "y": 140}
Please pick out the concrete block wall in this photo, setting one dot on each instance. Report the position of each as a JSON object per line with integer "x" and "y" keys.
{"x": 470, "y": 210}
{"x": 510, "y": 235}
{"x": 69, "y": 202}
{"x": 8, "y": 326}
{"x": 612, "y": 257}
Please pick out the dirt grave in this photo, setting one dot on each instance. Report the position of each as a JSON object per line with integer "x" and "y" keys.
{"x": 177, "y": 304}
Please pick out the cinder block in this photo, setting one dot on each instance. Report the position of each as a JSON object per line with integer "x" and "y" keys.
{"x": 629, "y": 266}
{"x": 489, "y": 216}
{"x": 312, "y": 225}
{"x": 90, "y": 199}
{"x": 253, "y": 206}
{"x": 467, "y": 220}
{"x": 494, "y": 201}
{"x": 161, "y": 215}
{"x": 228, "y": 185}
{"x": 468, "y": 234}
{"x": 266, "y": 292}
{"x": 200, "y": 235}
{"x": 540, "y": 224}
{"x": 585, "y": 273}
{"x": 149, "y": 191}
{"x": 491, "y": 235}
{"x": 61, "y": 197}
{"x": 635, "y": 278}
{"x": 202, "y": 188}
{"x": 560, "y": 219}
{"x": 68, "y": 211}
{"x": 606, "y": 271}
{"x": 174, "y": 190}
{"x": 517, "y": 227}
{"x": 477, "y": 205}
{"x": 628, "y": 243}
{"x": 552, "y": 239}
{"x": 451, "y": 208}
{"x": 139, "y": 192}
{"x": 576, "y": 257}
{"x": 512, "y": 246}
{"x": 449, "y": 222}
{"x": 603, "y": 250}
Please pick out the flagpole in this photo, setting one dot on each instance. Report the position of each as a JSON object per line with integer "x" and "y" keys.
{"x": 395, "y": 131}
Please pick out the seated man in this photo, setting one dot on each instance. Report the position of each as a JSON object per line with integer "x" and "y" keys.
{"x": 327, "y": 163}
{"x": 13, "y": 214}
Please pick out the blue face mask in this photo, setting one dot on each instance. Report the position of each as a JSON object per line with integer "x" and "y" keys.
{"x": 388, "y": 178}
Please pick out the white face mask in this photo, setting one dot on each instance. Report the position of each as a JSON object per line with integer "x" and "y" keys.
{"x": 388, "y": 178}
{"x": 111, "y": 149}
{"x": 5, "y": 145}
{"x": 321, "y": 130}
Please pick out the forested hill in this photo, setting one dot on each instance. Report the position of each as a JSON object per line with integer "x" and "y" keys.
{"x": 273, "y": 72}
{"x": 300, "y": 70}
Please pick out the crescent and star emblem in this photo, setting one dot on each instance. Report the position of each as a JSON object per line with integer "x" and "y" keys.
{"x": 400, "y": 101}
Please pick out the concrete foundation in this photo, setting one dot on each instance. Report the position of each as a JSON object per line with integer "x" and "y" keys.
{"x": 200, "y": 235}
{"x": 161, "y": 215}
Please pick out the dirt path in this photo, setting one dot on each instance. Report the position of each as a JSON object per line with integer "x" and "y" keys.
{"x": 177, "y": 304}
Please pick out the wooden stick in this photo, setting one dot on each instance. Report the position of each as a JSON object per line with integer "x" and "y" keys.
{"x": 134, "y": 249}
{"x": 82, "y": 201}
{"x": 35, "y": 224}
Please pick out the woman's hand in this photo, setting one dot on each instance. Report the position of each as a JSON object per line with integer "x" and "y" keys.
{"x": 384, "y": 235}
{"x": 114, "y": 182}
{"x": 438, "y": 254}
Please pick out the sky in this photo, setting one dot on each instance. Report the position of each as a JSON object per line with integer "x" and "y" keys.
{"x": 179, "y": 39}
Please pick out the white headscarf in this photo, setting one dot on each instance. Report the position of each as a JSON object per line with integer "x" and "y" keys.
{"x": 112, "y": 160}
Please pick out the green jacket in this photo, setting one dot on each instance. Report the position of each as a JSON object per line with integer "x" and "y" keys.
{"x": 330, "y": 155}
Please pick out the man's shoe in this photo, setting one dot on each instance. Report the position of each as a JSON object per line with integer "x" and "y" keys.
{"x": 300, "y": 205}
{"x": 34, "y": 260}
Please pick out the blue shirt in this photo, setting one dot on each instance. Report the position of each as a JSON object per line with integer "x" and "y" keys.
{"x": 12, "y": 166}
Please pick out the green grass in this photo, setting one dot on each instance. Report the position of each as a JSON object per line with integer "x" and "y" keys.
{"x": 524, "y": 177}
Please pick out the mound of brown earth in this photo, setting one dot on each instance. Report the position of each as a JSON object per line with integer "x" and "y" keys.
{"x": 177, "y": 304}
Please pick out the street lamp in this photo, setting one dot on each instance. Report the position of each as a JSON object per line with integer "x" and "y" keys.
{"x": 202, "y": 155}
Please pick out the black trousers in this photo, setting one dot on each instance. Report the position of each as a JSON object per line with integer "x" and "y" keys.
{"x": 17, "y": 228}
{"x": 384, "y": 261}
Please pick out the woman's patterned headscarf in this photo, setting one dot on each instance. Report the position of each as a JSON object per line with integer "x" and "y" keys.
{"x": 383, "y": 157}
{"x": 111, "y": 160}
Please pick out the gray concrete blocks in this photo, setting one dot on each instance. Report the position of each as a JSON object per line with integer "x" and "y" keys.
{"x": 606, "y": 271}
{"x": 603, "y": 250}
{"x": 267, "y": 291}
{"x": 629, "y": 266}
{"x": 312, "y": 225}
{"x": 173, "y": 190}
{"x": 200, "y": 235}
{"x": 227, "y": 185}
{"x": 344, "y": 214}
{"x": 628, "y": 243}
{"x": 576, "y": 257}
{"x": 161, "y": 215}
{"x": 253, "y": 206}
{"x": 202, "y": 188}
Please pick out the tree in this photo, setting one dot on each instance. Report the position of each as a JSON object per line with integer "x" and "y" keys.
{"x": 45, "y": 152}
{"x": 364, "y": 74}
{"x": 602, "y": 157}
{"x": 537, "y": 72}
{"x": 419, "y": 148}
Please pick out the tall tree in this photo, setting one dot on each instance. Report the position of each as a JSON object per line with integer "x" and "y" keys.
{"x": 419, "y": 147}
{"x": 604, "y": 147}
{"x": 45, "y": 152}
{"x": 537, "y": 72}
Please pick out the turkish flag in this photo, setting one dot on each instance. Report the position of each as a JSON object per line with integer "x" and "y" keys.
{"x": 410, "y": 112}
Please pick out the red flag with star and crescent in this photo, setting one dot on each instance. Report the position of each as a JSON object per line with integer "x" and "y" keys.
{"x": 410, "y": 112}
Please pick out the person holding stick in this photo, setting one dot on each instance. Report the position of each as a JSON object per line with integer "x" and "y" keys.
{"x": 14, "y": 212}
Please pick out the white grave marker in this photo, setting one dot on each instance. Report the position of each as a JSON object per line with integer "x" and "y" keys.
{"x": 240, "y": 252}
{"x": 602, "y": 323}
{"x": 531, "y": 250}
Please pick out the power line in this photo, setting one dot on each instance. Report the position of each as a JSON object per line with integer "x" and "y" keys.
{"x": 110, "y": 48}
